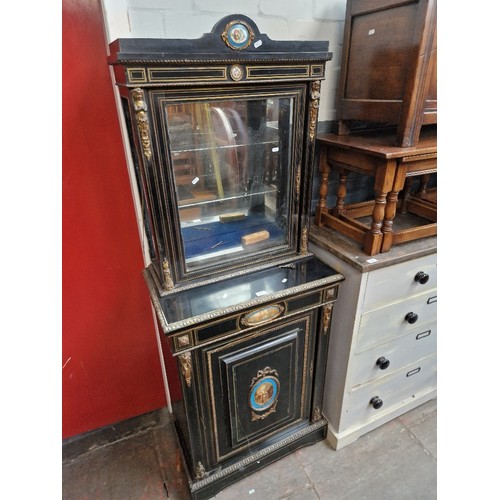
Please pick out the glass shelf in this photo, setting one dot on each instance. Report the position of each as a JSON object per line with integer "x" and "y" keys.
{"x": 193, "y": 149}
{"x": 227, "y": 198}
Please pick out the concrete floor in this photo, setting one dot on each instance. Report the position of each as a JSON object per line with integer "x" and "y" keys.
{"x": 139, "y": 459}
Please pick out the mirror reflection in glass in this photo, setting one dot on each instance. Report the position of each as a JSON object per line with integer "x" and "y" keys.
{"x": 231, "y": 162}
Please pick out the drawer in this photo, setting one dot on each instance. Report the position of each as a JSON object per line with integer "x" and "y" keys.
{"x": 392, "y": 356}
{"x": 394, "y": 391}
{"x": 396, "y": 319}
{"x": 398, "y": 282}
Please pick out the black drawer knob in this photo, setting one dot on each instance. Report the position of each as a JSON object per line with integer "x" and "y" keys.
{"x": 383, "y": 363}
{"x": 376, "y": 402}
{"x": 422, "y": 277}
{"x": 411, "y": 317}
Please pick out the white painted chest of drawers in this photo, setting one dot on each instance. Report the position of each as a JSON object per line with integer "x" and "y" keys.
{"x": 382, "y": 354}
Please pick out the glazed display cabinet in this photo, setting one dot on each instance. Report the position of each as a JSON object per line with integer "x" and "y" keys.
{"x": 222, "y": 132}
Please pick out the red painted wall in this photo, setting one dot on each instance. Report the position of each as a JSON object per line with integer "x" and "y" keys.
{"x": 111, "y": 367}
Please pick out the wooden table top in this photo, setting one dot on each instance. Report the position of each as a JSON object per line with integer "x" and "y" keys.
{"x": 381, "y": 143}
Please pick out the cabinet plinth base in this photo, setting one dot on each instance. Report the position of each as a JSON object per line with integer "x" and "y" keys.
{"x": 226, "y": 475}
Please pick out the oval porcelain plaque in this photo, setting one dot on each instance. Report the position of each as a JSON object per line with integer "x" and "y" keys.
{"x": 264, "y": 393}
{"x": 262, "y": 315}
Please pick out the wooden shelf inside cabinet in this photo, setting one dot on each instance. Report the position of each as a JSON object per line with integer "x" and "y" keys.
{"x": 389, "y": 68}
{"x": 373, "y": 223}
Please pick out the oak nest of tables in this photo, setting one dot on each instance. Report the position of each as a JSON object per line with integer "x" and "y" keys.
{"x": 394, "y": 170}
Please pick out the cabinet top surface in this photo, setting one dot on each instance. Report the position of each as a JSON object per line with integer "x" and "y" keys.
{"x": 248, "y": 290}
{"x": 233, "y": 38}
{"x": 381, "y": 143}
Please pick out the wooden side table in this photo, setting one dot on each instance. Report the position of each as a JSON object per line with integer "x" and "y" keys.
{"x": 394, "y": 169}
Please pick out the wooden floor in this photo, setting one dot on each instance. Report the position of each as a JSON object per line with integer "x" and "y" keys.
{"x": 139, "y": 459}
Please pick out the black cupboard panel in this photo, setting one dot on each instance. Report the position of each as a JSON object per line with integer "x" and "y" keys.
{"x": 259, "y": 385}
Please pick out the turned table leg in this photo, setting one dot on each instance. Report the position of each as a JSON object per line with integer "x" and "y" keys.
{"x": 341, "y": 192}
{"x": 390, "y": 211}
{"x": 422, "y": 188}
{"x": 405, "y": 195}
{"x": 384, "y": 180}
{"x": 323, "y": 189}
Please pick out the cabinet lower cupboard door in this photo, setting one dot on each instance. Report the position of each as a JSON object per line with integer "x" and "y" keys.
{"x": 258, "y": 386}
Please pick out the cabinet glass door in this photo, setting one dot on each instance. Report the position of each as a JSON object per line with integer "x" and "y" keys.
{"x": 231, "y": 163}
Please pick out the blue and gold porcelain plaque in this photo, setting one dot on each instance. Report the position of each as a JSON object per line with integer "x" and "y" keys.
{"x": 238, "y": 35}
{"x": 264, "y": 393}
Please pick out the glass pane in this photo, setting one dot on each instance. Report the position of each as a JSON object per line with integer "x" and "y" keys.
{"x": 231, "y": 162}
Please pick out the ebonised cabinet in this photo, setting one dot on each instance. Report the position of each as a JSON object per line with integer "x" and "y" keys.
{"x": 222, "y": 132}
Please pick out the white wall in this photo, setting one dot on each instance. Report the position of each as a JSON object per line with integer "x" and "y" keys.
{"x": 279, "y": 19}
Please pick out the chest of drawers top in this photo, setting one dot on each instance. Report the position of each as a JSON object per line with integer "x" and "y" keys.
{"x": 346, "y": 250}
